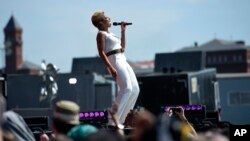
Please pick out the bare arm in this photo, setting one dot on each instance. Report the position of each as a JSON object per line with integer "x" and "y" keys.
{"x": 184, "y": 119}
{"x": 123, "y": 39}
{"x": 100, "y": 45}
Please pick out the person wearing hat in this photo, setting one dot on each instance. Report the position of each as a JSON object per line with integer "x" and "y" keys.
{"x": 111, "y": 51}
{"x": 65, "y": 117}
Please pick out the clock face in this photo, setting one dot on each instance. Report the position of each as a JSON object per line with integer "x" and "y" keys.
{"x": 8, "y": 44}
{"x": 8, "y": 51}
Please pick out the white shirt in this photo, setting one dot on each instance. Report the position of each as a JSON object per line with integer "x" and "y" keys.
{"x": 112, "y": 42}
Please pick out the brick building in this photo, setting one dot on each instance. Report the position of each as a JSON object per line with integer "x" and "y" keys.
{"x": 14, "y": 63}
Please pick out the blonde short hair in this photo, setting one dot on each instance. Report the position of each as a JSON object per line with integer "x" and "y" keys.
{"x": 97, "y": 17}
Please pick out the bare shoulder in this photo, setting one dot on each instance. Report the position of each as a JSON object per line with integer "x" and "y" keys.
{"x": 100, "y": 35}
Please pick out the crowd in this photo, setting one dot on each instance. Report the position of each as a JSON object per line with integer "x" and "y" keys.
{"x": 66, "y": 126}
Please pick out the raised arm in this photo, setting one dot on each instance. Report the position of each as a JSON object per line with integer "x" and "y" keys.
{"x": 123, "y": 37}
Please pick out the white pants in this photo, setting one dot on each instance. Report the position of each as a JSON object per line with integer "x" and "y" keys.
{"x": 128, "y": 86}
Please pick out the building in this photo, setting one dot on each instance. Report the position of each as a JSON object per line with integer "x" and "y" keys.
{"x": 95, "y": 64}
{"x": 14, "y": 63}
{"x": 235, "y": 97}
{"x": 225, "y": 56}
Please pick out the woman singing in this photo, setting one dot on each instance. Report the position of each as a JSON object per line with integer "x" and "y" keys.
{"x": 111, "y": 51}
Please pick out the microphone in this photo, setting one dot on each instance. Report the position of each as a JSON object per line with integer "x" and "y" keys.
{"x": 119, "y": 23}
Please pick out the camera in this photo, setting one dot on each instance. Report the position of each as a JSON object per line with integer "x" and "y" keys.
{"x": 175, "y": 109}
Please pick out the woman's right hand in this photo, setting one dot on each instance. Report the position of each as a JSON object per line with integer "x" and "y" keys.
{"x": 113, "y": 72}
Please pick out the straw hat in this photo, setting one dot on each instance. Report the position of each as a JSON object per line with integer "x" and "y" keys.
{"x": 67, "y": 111}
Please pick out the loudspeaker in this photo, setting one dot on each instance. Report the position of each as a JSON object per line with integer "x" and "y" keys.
{"x": 36, "y": 117}
{"x": 36, "y": 123}
{"x": 159, "y": 90}
{"x": 185, "y": 88}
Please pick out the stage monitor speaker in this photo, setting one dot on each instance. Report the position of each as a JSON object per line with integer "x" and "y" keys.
{"x": 158, "y": 90}
{"x": 36, "y": 123}
{"x": 36, "y": 114}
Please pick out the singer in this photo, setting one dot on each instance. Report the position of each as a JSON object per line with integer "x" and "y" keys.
{"x": 111, "y": 51}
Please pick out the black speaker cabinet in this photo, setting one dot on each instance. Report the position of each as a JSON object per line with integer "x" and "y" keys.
{"x": 186, "y": 88}
{"x": 159, "y": 90}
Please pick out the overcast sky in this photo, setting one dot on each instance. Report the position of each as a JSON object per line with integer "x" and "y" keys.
{"x": 60, "y": 30}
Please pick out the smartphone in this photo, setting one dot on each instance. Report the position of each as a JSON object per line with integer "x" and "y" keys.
{"x": 175, "y": 109}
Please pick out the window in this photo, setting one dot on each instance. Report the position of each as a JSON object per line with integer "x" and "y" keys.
{"x": 214, "y": 59}
{"x": 240, "y": 58}
{"x": 209, "y": 60}
{"x": 225, "y": 59}
{"x": 239, "y": 98}
{"x": 234, "y": 58}
{"x": 220, "y": 59}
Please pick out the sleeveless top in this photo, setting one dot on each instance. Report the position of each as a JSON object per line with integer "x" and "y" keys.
{"x": 112, "y": 42}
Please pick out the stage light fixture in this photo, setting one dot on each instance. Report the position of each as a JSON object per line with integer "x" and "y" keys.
{"x": 94, "y": 117}
{"x": 72, "y": 81}
{"x": 187, "y": 107}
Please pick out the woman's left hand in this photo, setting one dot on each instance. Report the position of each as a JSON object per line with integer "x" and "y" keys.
{"x": 123, "y": 26}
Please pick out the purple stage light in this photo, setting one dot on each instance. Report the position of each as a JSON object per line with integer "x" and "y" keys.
{"x": 94, "y": 117}
{"x": 193, "y": 107}
{"x": 199, "y": 107}
{"x": 102, "y": 114}
{"x": 187, "y": 108}
{"x": 91, "y": 114}
{"x": 86, "y": 115}
{"x": 81, "y": 115}
{"x": 96, "y": 114}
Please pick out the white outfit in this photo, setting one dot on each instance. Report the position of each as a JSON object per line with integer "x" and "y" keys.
{"x": 126, "y": 79}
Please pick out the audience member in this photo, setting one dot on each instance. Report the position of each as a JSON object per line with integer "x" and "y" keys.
{"x": 142, "y": 120}
{"x": 169, "y": 128}
{"x": 180, "y": 115}
{"x": 65, "y": 117}
{"x": 130, "y": 120}
{"x": 105, "y": 135}
{"x": 61, "y": 138}
{"x": 210, "y": 136}
{"x": 14, "y": 124}
{"x": 80, "y": 132}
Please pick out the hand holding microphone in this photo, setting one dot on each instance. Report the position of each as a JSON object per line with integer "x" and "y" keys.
{"x": 120, "y": 23}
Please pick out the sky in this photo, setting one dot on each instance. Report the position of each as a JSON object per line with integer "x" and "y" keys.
{"x": 60, "y": 30}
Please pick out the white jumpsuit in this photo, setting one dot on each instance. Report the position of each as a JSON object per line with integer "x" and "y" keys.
{"x": 126, "y": 79}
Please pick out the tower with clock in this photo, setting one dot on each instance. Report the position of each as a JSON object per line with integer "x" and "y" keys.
{"x": 13, "y": 45}
{"x": 14, "y": 63}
